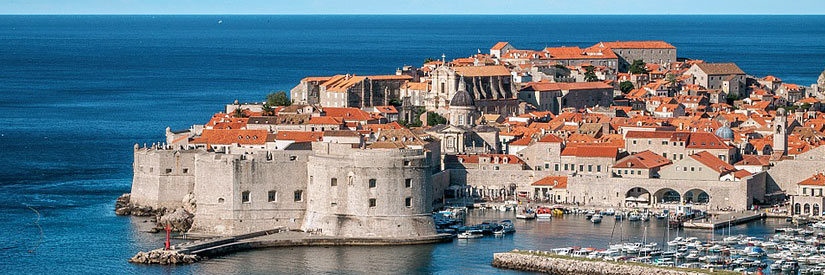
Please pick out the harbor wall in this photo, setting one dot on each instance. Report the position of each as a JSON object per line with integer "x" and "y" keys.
{"x": 784, "y": 175}
{"x": 537, "y": 262}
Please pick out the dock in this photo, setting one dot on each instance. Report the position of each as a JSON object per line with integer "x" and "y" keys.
{"x": 725, "y": 220}
{"x": 277, "y": 237}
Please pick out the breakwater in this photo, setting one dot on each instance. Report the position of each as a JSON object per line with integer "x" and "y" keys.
{"x": 546, "y": 262}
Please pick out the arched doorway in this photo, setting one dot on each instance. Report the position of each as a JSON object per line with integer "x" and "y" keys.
{"x": 667, "y": 195}
{"x": 637, "y": 196}
{"x": 806, "y": 209}
{"x": 697, "y": 196}
{"x": 797, "y": 209}
{"x": 816, "y": 209}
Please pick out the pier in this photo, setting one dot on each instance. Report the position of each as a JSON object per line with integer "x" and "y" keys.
{"x": 547, "y": 262}
{"x": 277, "y": 237}
{"x": 725, "y": 220}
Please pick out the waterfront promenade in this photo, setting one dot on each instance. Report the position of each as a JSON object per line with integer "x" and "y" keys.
{"x": 725, "y": 220}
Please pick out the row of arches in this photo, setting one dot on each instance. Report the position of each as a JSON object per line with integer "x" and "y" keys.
{"x": 807, "y": 209}
{"x": 641, "y": 196}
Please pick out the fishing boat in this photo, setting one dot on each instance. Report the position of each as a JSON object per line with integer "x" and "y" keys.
{"x": 471, "y": 234}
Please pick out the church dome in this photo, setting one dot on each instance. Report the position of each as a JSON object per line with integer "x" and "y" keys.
{"x": 724, "y": 132}
{"x": 462, "y": 98}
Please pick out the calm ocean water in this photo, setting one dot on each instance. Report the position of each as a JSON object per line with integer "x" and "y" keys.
{"x": 76, "y": 92}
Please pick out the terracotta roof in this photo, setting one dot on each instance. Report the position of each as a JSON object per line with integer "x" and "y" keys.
{"x": 713, "y": 162}
{"x": 389, "y": 109}
{"x": 760, "y": 160}
{"x": 704, "y": 140}
{"x": 299, "y": 136}
{"x": 499, "y": 45}
{"x": 562, "y": 53}
{"x": 552, "y": 181}
{"x": 418, "y": 86}
{"x": 230, "y": 136}
{"x": 645, "y": 159}
{"x": 375, "y": 127}
{"x": 316, "y": 78}
{"x": 591, "y": 151}
{"x": 470, "y": 71}
{"x": 551, "y": 138}
{"x": 720, "y": 68}
{"x": 816, "y": 180}
{"x": 566, "y": 86}
{"x": 347, "y": 113}
{"x": 636, "y": 45}
{"x": 524, "y": 141}
{"x": 325, "y": 120}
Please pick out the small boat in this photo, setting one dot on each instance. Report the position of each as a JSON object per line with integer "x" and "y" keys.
{"x": 499, "y": 233}
{"x": 597, "y": 218}
{"x": 634, "y": 217}
{"x": 526, "y": 215}
{"x": 471, "y": 234}
{"x": 661, "y": 216}
{"x": 544, "y": 213}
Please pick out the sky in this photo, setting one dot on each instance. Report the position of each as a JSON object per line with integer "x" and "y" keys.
{"x": 412, "y": 7}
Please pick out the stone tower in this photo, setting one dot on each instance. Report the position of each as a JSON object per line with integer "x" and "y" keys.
{"x": 462, "y": 107}
{"x": 780, "y": 133}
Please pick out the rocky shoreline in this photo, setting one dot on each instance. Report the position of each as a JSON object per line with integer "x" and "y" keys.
{"x": 179, "y": 219}
{"x": 537, "y": 261}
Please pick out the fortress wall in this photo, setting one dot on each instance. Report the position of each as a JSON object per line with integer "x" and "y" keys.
{"x": 223, "y": 179}
{"x": 343, "y": 209}
{"x": 441, "y": 181}
{"x": 483, "y": 179}
{"x": 162, "y": 178}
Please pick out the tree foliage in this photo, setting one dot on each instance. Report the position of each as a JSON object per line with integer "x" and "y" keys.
{"x": 278, "y": 98}
{"x": 238, "y": 113}
{"x": 638, "y": 67}
{"x": 267, "y": 110}
{"x": 434, "y": 119}
{"x": 626, "y": 86}
{"x": 731, "y": 98}
{"x": 416, "y": 121}
{"x": 395, "y": 102}
{"x": 429, "y": 59}
{"x": 590, "y": 74}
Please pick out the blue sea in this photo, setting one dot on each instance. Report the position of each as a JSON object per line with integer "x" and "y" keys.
{"x": 77, "y": 92}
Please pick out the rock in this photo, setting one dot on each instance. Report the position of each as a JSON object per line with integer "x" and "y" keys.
{"x": 122, "y": 206}
{"x": 179, "y": 220}
{"x": 821, "y": 81}
{"x": 163, "y": 257}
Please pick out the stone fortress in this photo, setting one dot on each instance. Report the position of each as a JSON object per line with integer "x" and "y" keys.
{"x": 334, "y": 189}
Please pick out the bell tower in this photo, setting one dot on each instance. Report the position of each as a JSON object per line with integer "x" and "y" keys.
{"x": 780, "y": 133}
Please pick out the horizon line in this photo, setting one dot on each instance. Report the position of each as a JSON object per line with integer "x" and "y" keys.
{"x": 396, "y": 14}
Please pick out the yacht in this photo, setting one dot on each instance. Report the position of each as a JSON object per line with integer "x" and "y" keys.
{"x": 471, "y": 234}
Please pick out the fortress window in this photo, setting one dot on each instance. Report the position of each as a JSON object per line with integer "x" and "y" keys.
{"x": 292, "y": 157}
{"x": 372, "y": 202}
{"x": 407, "y": 183}
{"x": 272, "y": 196}
{"x": 408, "y": 202}
{"x": 333, "y": 182}
{"x": 168, "y": 170}
{"x": 406, "y": 163}
{"x": 185, "y": 170}
{"x": 299, "y": 195}
{"x": 245, "y": 196}
{"x": 220, "y": 200}
{"x": 372, "y": 183}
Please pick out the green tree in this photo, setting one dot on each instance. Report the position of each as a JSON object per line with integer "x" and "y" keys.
{"x": 429, "y": 59}
{"x": 434, "y": 119}
{"x": 416, "y": 121}
{"x": 626, "y": 86}
{"x": 671, "y": 80}
{"x": 731, "y": 98}
{"x": 590, "y": 74}
{"x": 395, "y": 102}
{"x": 238, "y": 113}
{"x": 267, "y": 110}
{"x": 278, "y": 98}
{"x": 638, "y": 67}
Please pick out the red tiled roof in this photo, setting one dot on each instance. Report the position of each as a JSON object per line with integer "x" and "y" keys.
{"x": 389, "y": 109}
{"x": 230, "y": 136}
{"x": 325, "y": 120}
{"x": 558, "y": 86}
{"x": 499, "y": 45}
{"x": 645, "y": 159}
{"x": 550, "y": 138}
{"x": 552, "y": 181}
{"x": 470, "y": 71}
{"x": 760, "y": 160}
{"x": 347, "y": 113}
{"x": 636, "y": 45}
{"x": 591, "y": 151}
{"x": 816, "y": 180}
{"x": 713, "y": 162}
{"x": 299, "y": 136}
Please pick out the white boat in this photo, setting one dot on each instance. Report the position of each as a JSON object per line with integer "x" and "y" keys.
{"x": 526, "y": 215}
{"x": 597, "y": 218}
{"x": 471, "y": 234}
{"x": 634, "y": 217}
{"x": 499, "y": 233}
